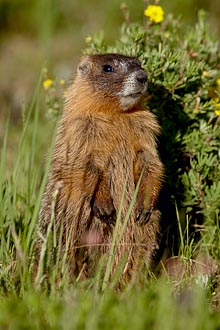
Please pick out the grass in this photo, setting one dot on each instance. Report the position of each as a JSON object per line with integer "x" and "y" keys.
{"x": 149, "y": 303}
{"x": 152, "y": 306}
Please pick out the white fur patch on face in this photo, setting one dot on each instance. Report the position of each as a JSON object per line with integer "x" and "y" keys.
{"x": 128, "y": 102}
{"x": 132, "y": 91}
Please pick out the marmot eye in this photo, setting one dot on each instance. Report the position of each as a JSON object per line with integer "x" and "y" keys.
{"x": 108, "y": 68}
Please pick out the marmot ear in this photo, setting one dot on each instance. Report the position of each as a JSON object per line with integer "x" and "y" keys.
{"x": 83, "y": 65}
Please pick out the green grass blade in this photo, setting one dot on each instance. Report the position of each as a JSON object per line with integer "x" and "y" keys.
{"x": 35, "y": 215}
{"x": 25, "y": 128}
{"x": 116, "y": 229}
{"x": 112, "y": 247}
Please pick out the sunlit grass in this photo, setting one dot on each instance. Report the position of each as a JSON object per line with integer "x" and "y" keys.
{"x": 94, "y": 304}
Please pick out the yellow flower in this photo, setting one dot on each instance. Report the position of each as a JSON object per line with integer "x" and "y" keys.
{"x": 205, "y": 73}
{"x": 88, "y": 39}
{"x": 216, "y": 103}
{"x": 47, "y": 83}
{"x": 218, "y": 82}
{"x": 167, "y": 35}
{"x": 62, "y": 82}
{"x": 155, "y": 13}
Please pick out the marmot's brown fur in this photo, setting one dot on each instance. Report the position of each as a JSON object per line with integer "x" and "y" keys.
{"x": 105, "y": 142}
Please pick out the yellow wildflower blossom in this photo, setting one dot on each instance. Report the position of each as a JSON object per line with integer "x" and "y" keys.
{"x": 88, "y": 39}
{"x": 218, "y": 82}
{"x": 62, "y": 82}
{"x": 205, "y": 73}
{"x": 216, "y": 103}
{"x": 155, "y": 13}
{"x": 167, "y": 35}
{"x": 47, "y": 83}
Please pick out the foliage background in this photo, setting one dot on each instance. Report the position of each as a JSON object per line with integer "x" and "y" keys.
{"x": 50, "y": 33}
{"x": 53, "y": 32}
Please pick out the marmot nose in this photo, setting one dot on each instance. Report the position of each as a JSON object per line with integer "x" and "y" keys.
{"x": 141, "y": 76}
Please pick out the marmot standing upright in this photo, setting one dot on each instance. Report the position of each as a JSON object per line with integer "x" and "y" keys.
{"x": 105, "y": 143}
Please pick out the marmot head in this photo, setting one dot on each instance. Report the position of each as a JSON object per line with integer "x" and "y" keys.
{"x": 114, "y": 79}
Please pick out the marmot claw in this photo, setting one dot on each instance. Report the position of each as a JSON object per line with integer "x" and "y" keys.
{"x": 144, "y": 216}
{"x": 105, "y": 213}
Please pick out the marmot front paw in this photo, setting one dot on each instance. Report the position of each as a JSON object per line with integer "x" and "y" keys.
{"x": 105, "y": 211}
{"x": 143, "y": 216}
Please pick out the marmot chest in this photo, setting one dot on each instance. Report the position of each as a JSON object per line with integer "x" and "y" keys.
{"x": 116, "y": 140}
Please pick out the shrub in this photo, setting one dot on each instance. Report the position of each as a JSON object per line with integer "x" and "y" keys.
{"x": 183, "y": 66}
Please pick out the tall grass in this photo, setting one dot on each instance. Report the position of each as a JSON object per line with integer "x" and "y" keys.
{"x": 20, "y": 197}
{"x": 152, "y": 303}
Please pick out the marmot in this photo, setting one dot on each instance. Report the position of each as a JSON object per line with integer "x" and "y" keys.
{"x": 105, "y": 143}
